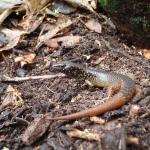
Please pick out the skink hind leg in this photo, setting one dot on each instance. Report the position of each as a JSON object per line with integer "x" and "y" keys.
{"x": 112, "y": 90}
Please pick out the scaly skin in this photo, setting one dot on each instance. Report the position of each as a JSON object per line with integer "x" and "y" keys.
{"x": 120, "y": 87}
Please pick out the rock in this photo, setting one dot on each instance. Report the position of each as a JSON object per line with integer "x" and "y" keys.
{"x": 21, "y": 72}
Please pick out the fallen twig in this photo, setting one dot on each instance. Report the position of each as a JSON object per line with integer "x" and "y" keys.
{"x": 84, "y": 135}
{"x": 18, "y": 79}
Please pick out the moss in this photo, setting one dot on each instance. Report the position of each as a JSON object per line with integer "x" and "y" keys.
{"x": 103, "y": 3}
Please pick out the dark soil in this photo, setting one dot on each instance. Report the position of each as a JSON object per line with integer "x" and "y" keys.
{"x": 62, "y": 96}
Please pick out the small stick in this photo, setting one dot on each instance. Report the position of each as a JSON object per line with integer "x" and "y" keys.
{"x": 18, "y": 79}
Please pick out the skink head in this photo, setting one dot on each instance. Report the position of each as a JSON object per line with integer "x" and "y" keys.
{"x": 63, "y": 65}
{"x": 71, "y": 69}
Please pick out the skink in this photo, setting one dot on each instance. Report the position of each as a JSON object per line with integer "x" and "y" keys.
{"x": 121, "y": 88}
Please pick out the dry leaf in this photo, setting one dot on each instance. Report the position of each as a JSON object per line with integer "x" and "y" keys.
{"x": 62, "y": 7}
{"x": 36, "y": 129}
{"x": 30, "y": 23}
{"x": 34, "y": 6}
{"x": 52, "y": 13}
{"x": 93, "y": 3}
{"x": 7, "y": 4}
{"x": 13, "y": 37}
{"x": 93, "y": 25}
{"x": 7, "y": 7}
{"x": 80, "y": 3}
{"x": 65, "y": 41}
{"x": 4, "y": 15}
{"x": 12, "y": 98}
{"x": 61, "y": 24}
{"x": 24, "y": 59}
{"x": 146, "y": 53}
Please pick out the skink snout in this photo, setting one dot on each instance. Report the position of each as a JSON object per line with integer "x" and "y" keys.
{"x": 61, "y": 65}
{"x": 57, "y": 65}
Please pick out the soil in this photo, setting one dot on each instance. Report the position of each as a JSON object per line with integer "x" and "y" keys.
{"x": 65, "y": 95}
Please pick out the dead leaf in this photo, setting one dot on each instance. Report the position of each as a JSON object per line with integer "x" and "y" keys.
{"x": 4, "y": 15}
{"x": 52, "y": 13}
{"x": 7, "y": 7}
{"x": 81, "y": 4}
{"x": 12, "y": 98}
{"x": 30, "y": 23}
{"x": 34, "y": 6}
{"x": 37, "y": 128}
{"x": 93, "y": 25}
{"x": 25, "y": 59}
{"x": 65, "y": 41}
{"x": 146, "y": 53}
{"x": 7, "y": 4}
{"x": 13, "y": 37}
{"x": 61, "y": 24}
{"x": 62, "y": 7}
{"x": 93, "y": 3}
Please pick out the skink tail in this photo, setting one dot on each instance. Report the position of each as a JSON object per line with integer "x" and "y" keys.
{"x": 113, "y": 103}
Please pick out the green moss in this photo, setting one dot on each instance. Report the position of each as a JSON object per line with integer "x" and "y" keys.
{"x": 136, "y": 20}
{"x": 103, "y": 3}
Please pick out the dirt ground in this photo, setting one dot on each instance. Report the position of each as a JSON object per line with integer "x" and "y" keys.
{"x": 64, "y": 95}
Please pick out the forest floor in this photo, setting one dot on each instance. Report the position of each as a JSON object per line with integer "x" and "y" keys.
{"x": 125, "y": 128}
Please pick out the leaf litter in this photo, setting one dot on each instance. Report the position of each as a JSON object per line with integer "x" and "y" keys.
{"x": 59, "y": 38}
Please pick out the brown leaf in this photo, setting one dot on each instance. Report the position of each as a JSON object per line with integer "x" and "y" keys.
{"x": 34, "y": 6}
{"x": 7, "y": 4}
{"x": 62, "y": 23}
{"x": 7, "y": 7}
{"x": 62, "y": 7}
{"x": 93, "y": 25}
{"x": 25, "y": 58}
{"x": 66, "y": 41}
{"x": 93, "y": 3}
{"x": 12, "y": 98}
{"x": 13, "y": 37}
{"x": 30, "y": 23}
{"x": 81, "y": 3}
{"x": 146, "y": 53}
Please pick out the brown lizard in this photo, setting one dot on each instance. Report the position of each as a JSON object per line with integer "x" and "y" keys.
{"x": 121, "y": 88}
